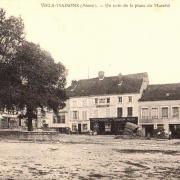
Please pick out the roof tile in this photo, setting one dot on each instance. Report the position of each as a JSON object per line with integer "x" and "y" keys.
{"x": 159, "y": 92}
{"x": 109, "y": 85}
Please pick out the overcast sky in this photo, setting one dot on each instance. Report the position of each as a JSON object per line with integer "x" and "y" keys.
{"x": 116, "y": 40}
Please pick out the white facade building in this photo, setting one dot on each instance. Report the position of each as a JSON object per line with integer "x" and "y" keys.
{"x": 159, "y": 107}
{"x": 60, "y": 122}
{"x": 103, "y": 99}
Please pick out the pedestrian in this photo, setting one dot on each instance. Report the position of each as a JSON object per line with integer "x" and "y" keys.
{"x": 170, "y": 135}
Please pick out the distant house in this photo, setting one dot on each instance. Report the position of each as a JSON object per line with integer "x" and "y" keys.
{"x": 104, "y": 104}
{"x": 59, "y": 121}
{"x": 13, "y": 119}
{"x": 159, "y": 107}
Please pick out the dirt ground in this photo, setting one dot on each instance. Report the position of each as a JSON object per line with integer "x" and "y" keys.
{"x": 90, "y": 157}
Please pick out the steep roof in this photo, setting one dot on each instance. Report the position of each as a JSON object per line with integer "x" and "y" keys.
{"x": 109, "y": 85}
{"x": 160, "y": 92}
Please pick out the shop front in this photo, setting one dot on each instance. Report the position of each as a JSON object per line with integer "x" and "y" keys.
{"x": 175, "y": 130}
{"x": 110, "y": 125}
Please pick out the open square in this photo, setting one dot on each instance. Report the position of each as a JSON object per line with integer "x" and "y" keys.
{"x": 90, "y": 157}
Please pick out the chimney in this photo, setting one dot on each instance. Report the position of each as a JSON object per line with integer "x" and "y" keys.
{"x": 145, "y": 81}
{"x": 101, "y": 75}
{"x": 145, "y": 77}
{"x": 120, "y": 79}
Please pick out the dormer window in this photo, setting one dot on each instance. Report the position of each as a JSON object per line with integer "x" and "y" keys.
{"x": 101, "y": 75}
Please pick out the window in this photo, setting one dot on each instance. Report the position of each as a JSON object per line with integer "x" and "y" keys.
{"x": 62, "y": 118}
{"x": 129, "y": 111}
{"x": 59, "y": 119}
{"x": 74, "y": 103}
{"x": 75, "y": 114}
{"x": 74, "y": 127}
{"x": 84, "y": 102}
{"x": 107, "y": 127}
{"x": 54, "y": 119}
{"x": 119, "y": 112}
{"x": 107, "y": 112}
{"x": 102, "y": 101}
{"x": 165, "y": 112}
{"x": 129, "y": 98}
{"x": 144, "y": 113}
{"x": 84, "y": 115}
{"x": 120, "y": 99}
{"x": 175, "y": 112}
{"x": 154, "y": 113}
{"x": 84, "y": 127}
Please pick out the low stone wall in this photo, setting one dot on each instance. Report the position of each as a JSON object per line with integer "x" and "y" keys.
{"x": 29, "y": 136}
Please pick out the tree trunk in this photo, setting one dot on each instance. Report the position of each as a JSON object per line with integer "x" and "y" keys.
{"x": 30, "y": 127}
{"x": 19, "y": 121}
{"x": 8, "y": 123}
{"x": 30, "y": 117}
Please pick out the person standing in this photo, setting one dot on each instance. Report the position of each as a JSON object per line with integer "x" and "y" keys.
{"x": 170, "y": 135}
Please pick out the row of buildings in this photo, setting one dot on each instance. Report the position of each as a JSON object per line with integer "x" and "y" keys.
{"x": 105, "y": 104}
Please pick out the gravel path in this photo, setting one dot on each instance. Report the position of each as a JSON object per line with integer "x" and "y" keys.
{"x": 90, "y": 157}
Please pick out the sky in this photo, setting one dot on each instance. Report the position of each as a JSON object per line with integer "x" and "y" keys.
{"x": 113, "y": 40}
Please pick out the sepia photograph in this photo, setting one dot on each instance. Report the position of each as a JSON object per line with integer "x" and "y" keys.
{"x": 89, "y": 89}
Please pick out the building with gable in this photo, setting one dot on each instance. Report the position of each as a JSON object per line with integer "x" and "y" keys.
{"x": 105, "y": 104}
{"x": 159, "y": 107}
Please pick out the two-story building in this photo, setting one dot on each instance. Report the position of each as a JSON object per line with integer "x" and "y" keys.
{"x": 105, "y": 104}
{"x": 59, "y": 121}
{"x": 159, "y": 107}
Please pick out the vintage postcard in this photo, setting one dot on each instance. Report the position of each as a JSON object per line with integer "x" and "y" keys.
{"x": 89, "y": 89}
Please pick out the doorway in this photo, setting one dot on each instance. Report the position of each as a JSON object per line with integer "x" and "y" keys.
{"x": 175, "y": 130}
{"x": 79, "y": 128}
{"x": 101, "y": 127}
{"x": 149, "y": 130}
